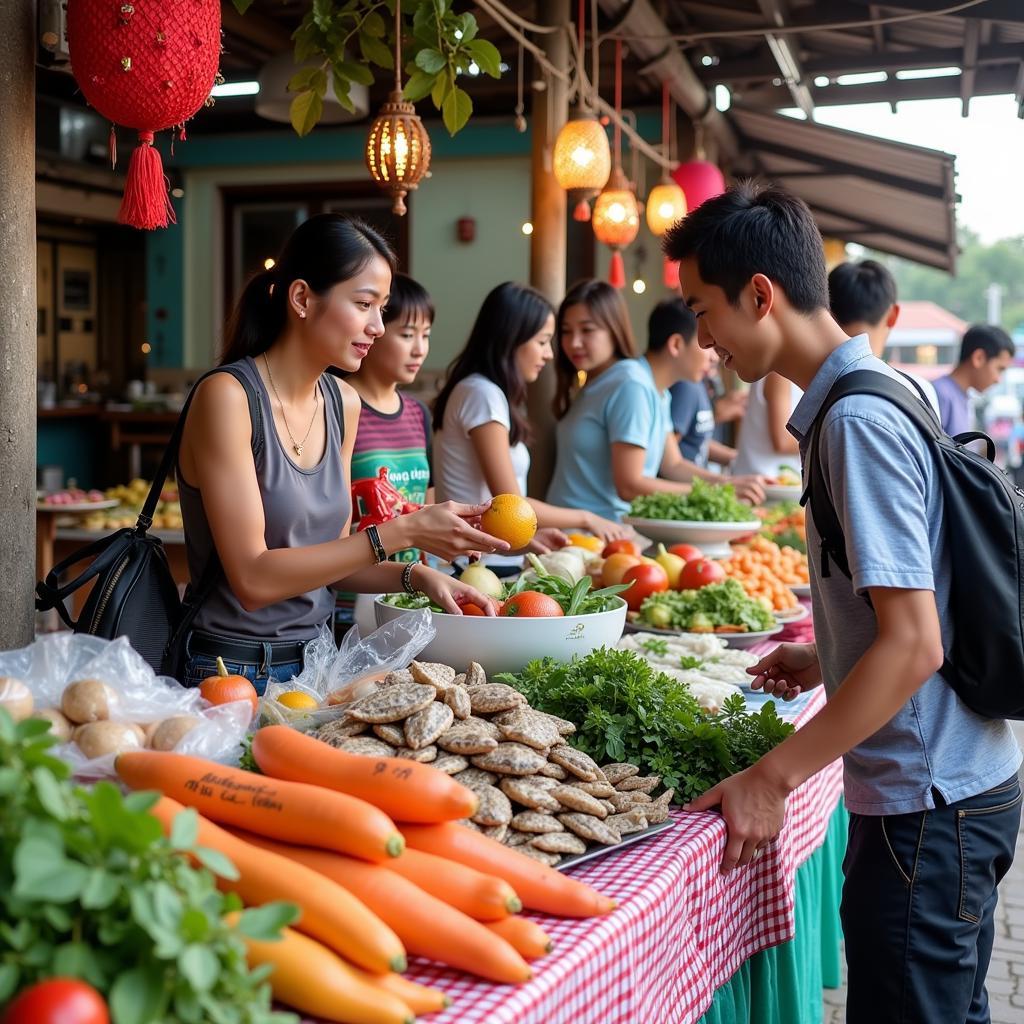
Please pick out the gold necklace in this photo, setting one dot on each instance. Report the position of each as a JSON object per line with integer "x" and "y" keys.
{"x": 296, "y": 445}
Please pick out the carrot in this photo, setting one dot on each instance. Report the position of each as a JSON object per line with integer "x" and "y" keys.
{"x": 482, "y": 897}
{"x": 401, "y": 788}
{"x": 311, "y": 979}
{"x": 525, "y": 937}
{"x": 290, "y": 811}
{"x": 330, "y": 913}
{"x": 419, "y": 998}
{"x": 425, "y": 925}
{"x": 537, "y": 885}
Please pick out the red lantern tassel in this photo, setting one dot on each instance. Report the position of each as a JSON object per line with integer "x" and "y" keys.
{"x": 146, "y": 203}
{"x": 617, "y": 270}
{"x": 671, "y": 273}
{"x": 581, "y": 211}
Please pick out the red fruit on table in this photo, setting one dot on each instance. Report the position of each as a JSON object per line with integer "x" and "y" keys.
{"x": 645, "y": 579}
{"x": 699, "y": 573}
{"x": 625, "y": 547}
{"x": 687, "y": 552}
{"x": 58, "y": 1001}
{"x": 472, "y": 609}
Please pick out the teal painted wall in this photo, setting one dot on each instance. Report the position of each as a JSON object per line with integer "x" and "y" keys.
{"x": 70, "y": 443}
{"x": 484, "y": 173}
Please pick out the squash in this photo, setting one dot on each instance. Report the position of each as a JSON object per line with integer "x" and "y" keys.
{"x": 223, "y": 688}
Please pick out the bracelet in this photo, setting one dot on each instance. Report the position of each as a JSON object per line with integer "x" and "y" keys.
{"x": 407, "y": 578}
{"x": 379, "y": 554}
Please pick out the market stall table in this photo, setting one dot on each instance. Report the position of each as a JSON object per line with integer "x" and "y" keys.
{"x": 682, "y": 931}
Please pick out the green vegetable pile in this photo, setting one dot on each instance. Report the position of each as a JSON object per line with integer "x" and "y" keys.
{"x": 91, "y": 889}
{"x": 625, "y": 710}
{"x": 706, "y": 503}
{"x": 701, "y": 611}
{"x": 573, "y": 598}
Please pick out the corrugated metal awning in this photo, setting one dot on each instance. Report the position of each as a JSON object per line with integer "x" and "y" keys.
{"x": 881, "y": 194}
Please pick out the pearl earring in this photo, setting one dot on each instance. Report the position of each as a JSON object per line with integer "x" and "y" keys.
{"x": 302, "y": 314}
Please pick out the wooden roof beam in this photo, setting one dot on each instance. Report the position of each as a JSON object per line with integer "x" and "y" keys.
{"x": 972, "y": 37}
{"x": 784, "y": 50}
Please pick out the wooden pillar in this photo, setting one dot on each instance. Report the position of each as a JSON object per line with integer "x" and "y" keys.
{"x": 549, "y": 112}
{"x": 17, "y": 324}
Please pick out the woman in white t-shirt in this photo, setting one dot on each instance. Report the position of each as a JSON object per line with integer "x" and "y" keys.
{"x": 765, "y": 446}
{"x": 480, "y": 426}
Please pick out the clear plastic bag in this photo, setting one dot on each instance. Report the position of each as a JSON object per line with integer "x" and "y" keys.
{"x": 137, "y": 696}
{"x": 335, "y": 676}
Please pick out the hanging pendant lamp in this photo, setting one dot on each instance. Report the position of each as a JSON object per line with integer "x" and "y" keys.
{"x": 616, "y": 214}
{"x": 398, "y": 146}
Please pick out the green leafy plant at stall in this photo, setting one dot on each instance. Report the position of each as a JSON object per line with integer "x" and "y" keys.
{"x": 439, "y": 43}
{"x": 705, "y": 503}
{"x": 625, "y": 710}
{"x": 90, "y": 888}
{"x": 716, "y": 606}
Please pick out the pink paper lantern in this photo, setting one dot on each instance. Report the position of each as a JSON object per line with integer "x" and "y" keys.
{"x": 700, "y": 180}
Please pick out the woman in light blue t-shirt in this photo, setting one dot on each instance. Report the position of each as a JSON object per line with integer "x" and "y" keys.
{"x": 615, "y": 432}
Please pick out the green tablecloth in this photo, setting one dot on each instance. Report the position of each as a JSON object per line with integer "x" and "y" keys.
{"x": 783, "y": 985}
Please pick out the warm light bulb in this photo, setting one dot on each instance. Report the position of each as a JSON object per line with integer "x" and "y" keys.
{"x": 582, "y": 157}
{"x": 617, "y": 212}
{"x": 269, "y": 263}
{"x": 527, "y": 228}
{"x": 146, "y": 348}
{"x": 666, "y": 210}
{"x": 639, "y": 286}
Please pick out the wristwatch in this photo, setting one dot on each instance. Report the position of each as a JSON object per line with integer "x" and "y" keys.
{"x": 378, "y": 548}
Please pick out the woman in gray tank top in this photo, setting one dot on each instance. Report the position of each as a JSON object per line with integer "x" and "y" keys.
{"x": 270, "y": 499}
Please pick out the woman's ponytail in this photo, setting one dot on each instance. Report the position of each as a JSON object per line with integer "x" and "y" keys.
{"x": 322, "y": 251}
{"x": 257, "y": 319}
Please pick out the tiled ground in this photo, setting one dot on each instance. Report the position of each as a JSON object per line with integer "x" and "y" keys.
{"x": 1006, "y": 973}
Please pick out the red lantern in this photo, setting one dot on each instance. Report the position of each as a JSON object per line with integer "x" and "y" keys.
{"x": 148, "y": 65}
{"x": 700, "y": 180}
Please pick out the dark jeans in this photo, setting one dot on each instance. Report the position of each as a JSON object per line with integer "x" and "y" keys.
{"x": 201, "y": 666}
{"x": 917, "y": 908}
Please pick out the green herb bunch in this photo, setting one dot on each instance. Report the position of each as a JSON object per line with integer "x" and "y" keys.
{"x": 90, "y": 888}
{"x": 701, "y": 610}
{"x": 705, "y": 503}
{"x": 625, "y": 710}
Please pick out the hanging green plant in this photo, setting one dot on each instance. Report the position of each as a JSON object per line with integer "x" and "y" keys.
{"x": 440, "y": 44}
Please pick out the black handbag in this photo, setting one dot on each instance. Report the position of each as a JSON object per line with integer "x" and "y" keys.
{"x": 135, "y": 595}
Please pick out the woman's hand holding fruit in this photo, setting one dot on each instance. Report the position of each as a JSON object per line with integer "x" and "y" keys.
{"x": 449, "y": 593}
{"x": 446, "y": 530}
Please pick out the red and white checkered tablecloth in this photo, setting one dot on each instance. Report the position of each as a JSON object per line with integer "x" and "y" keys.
{"x": 681, "y": 929}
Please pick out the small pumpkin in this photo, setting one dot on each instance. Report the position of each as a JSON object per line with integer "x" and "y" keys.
{"x": 223, "y": 688}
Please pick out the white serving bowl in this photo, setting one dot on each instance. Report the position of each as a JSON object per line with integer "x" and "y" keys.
{"x": 775, "y": 493}
{"x": 506, "y": 644}
{"x": 712, "y": 538}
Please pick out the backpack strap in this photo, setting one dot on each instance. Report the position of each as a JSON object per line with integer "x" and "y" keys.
{"x": 860, "y": 382}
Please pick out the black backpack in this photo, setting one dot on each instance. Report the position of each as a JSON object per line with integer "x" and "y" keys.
{"x": 135, "y": 594}
{"x": 985, "y": 523}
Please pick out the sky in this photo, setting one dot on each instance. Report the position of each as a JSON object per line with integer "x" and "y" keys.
{"x": 988, "y": 146}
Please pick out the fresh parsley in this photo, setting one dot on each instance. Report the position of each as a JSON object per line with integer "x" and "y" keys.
{"x": 625, "y": 710}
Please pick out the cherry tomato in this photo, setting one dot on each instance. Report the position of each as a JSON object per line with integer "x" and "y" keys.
{"x": 615, "y": 547}
{"x": 645, "y": 579}
{"x": 472, "y": 609}
{"x": 58, "y": 1001}
{"x": 699, "y": 573}
{"x": 687, "y": 552}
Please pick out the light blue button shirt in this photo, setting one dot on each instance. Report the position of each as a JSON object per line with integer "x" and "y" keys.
{"x": 622, "y": 405}
{"x": 881, "y": 475}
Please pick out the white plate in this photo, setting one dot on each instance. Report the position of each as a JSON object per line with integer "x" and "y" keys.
{"x": 774, "y": 493}
{"x": 800, "y": 589}
{"x": 712, "y": 538}
{"x": 506, "y": 644}
{"x": 737, "y": 640}
{"x": 82, "y": 506}
{"x": 796, "y": 615}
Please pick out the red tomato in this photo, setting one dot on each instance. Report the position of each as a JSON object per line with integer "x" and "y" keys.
{"x": 699, "y": 573}
{"x": 472, "y": 609}
{"x": 645, "y": 579}
{"x": 687, "y": 552}
{"x": 614, "y": 547}
{"x": 58, "y": 1001}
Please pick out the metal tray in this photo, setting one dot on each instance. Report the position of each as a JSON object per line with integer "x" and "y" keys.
{"x": 600, "y": 851}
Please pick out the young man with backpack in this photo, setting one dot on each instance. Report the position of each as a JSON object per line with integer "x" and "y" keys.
{"x": 931, "y": 785}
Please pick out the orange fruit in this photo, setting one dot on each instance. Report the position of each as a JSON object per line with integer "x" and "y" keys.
{"x": 472, "y": 609}
{"x": 530, "y": 604}
{"x": 510, "y": 518}
{"x": 615, "y": 567}
{"x": 297, "y": 700}
{"x": 584, "y": 540}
